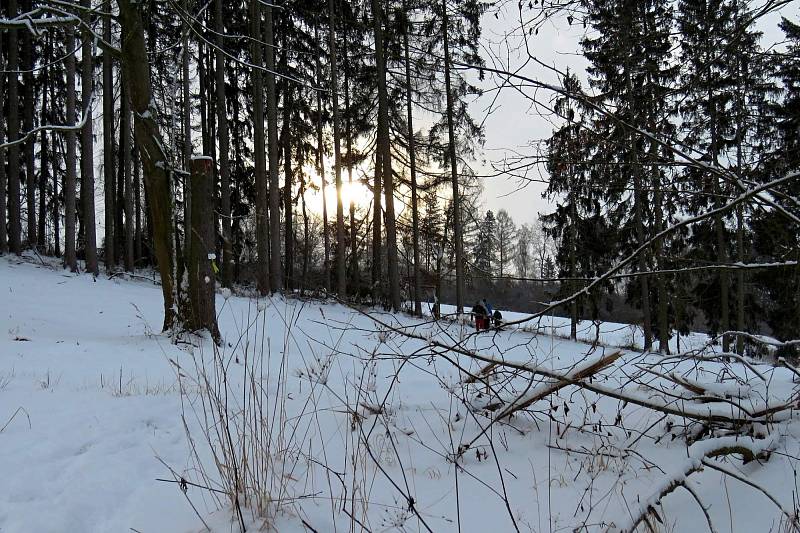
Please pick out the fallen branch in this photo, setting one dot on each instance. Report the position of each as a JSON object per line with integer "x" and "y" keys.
{"x": 699, "y": 454}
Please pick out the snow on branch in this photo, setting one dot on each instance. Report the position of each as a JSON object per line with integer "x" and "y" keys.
{"x": 701, "y": 455}
{"x": 87, "y": 113}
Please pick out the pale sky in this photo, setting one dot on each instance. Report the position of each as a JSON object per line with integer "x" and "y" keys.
{"x": 513, "y": 123}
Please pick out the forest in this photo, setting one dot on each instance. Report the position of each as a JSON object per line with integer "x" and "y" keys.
{"x": 244, "y": 244}
{"x": 683, "y": 113}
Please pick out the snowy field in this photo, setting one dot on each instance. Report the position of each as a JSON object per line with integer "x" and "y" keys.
{"x": 357, "y": 427}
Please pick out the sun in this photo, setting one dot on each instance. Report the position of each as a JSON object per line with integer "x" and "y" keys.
{"x": 357, "y": 192}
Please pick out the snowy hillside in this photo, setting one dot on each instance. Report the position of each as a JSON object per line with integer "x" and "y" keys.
{"x": 335, "y": 422}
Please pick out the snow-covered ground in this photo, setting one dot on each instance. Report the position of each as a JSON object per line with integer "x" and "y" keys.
{"x": 609, "y": 333}
{"x": 95, "y": 406}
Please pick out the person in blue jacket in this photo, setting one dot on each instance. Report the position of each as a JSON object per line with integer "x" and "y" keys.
{"x": 488, "y": 307}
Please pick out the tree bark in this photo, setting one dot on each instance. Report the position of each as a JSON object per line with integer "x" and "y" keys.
{"x": 321, "y": 171}
{"x": 138, "y": 251}
{"x": 416, "y": 295}
{"x": 44, "y": 165}
{"x": 202, "y": 309}
{"x": 87, "y": 151}
{"x": 136, "y": 68}
{"x": 288, "y": 224}
{"x": 108, "y": 146}
{"x": 272, "y": 139}
{"x": 4, "y": 154}
{"x": 224, "y": 143}
{"x": 14, "y": 221}
{"x": 457, "y": 229}
{"x": 186, "y": 125}
{"x": 341, "y": 248}
{"x": 573, "y": 268}
{"x": 384, "y": 147}
{"x": 70, "y": 259}
{"x": 27, "y": 125}
{"x": 355, "y": 281}
{"x": 262, "y": 216}
{"x": 125, "y": 151}
{"x": 55, "y": 211}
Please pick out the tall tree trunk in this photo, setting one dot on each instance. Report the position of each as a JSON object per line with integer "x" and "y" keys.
{"x": 125, "y": 149}
{"x": 658, "y": 246}
{"x": 355, "y": 281}
{"x": 70, "y": 259}
{"x": 377, "y": 215}
{"x": 384, "y": 147}
{"x": 44, "y": 164}
{"x": 224, "y": 143}
{"x": 306, "y": 250}
{"x": 639, "y": 201}
{"x": 138, "y": 251}
{"x": 321, "y": 171}
{"x": 55, "y": 210}
{"x": 288, "y": 231}
{"x": 272, "y": 139}
{"x": 136, "y": 68}
{"x": 341, "y": 249}
{"x": 119, "y": 202}
{"x": 186, "y": 126}
{"x": 377, "y": 211}
{"x": 87, "y": 150}
{"x": 27, "y": 125}
{"x": 262, "y": 216}
{"x": 573, "y": 267}
{"x": 638, "y": 220}
{"x": 457, "y": 229}
{"x": 3, "y": 153}
{"x": 203, "y": 83}
{"x": 412, "y": 156}
{"x": 108, "y": 145}
{"x": 201, "y": 311}
{"x": 14, "y": 221}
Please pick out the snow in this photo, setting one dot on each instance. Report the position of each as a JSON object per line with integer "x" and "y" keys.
{"x": 97, "y": 395}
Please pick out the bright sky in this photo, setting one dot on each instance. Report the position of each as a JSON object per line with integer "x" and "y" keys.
{"x": 510, "y": 120}
{"x": 512, "y": 124}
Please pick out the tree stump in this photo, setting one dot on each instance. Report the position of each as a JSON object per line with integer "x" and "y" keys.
{"x": 202, "y": 312}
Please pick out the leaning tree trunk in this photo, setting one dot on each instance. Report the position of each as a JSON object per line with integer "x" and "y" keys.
{"x": 341, "y": 249}
{"x": 87, "y": 150}
{"x": 70, "y": 259}
{"x": 14, "y": 222}
{"x": 272, "y": 138}
{"x": 262, "y": 216}
{"x": 136, "y": 69}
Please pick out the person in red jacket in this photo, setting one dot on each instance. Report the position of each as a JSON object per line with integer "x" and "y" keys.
{"x": 480, "y": 316}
